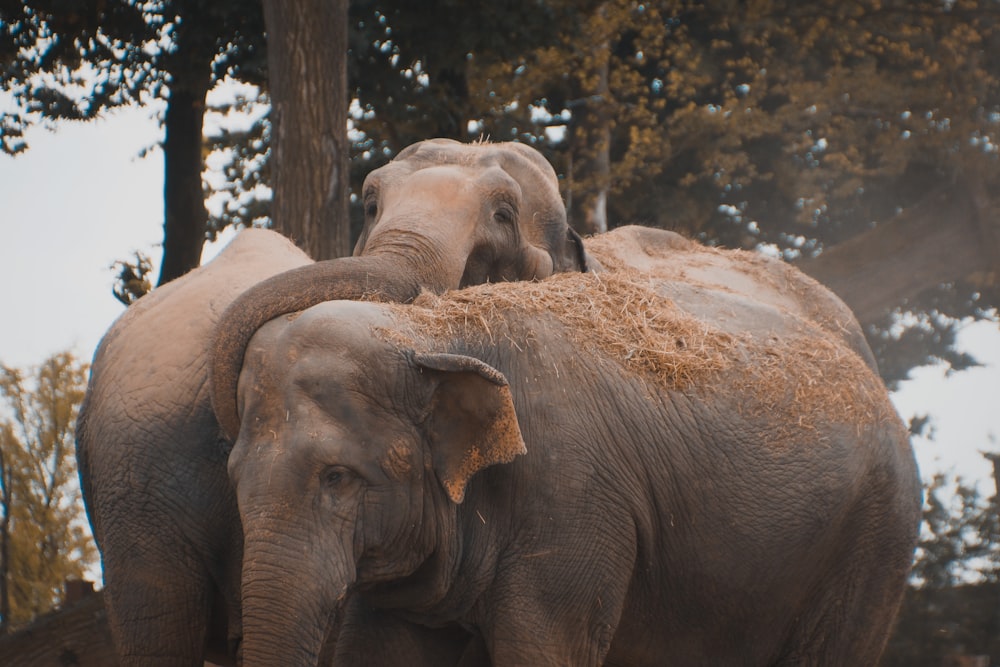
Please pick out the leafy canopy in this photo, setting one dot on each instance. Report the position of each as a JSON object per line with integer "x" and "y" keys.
{"x": 779, "y": 124}
{"x": 43, "y": 531}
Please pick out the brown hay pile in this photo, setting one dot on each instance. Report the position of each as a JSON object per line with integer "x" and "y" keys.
{"x": 616, "y": 315}
{"x": 798, "y": 383}
{"x": 784, "y": 384}
{"x": 669, "y": 256}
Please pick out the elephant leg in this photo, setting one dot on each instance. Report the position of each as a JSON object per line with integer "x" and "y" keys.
{"x": 852, "y": 615}
{"x": 158, "y": 604}
{"x": 533, "y": 641}
{"x": 563, "y": 605}
{"x": 545, "y": 619}
{"x": 373, "y": 638}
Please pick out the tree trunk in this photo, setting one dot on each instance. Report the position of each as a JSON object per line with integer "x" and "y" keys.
{"x": 185, "y": 216}
{"x": 948, "y": 236}
{"x": 591, "y": 177}
{"x": 307, "y": 74}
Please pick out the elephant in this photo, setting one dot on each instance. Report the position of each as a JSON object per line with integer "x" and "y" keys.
{"x": 442, "y": 215}
{"x": 604, "y": 468}
{"x": 752, "y": 275}
{"x": 151, "y": 452}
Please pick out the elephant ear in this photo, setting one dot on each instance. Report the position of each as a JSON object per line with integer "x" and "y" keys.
{"x": 471, "y": 422}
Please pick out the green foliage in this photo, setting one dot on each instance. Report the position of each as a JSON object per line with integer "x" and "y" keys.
{"x": 412, "y": 66}
{"x": 237, "y": 187}
{"x": 810, "y": 119}
{"x": 951, "y": 604}
{"x": 73, "y": 63}
{"x": 43, "y": 533}
{"x": 961, "y": 536}
{"x": 70, "y": 61}
{"x": 774, "y": 122}
{"x": 902, "y": 340}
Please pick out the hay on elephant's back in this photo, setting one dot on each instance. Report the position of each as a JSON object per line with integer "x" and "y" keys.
{"x": 608, "y": 250}
{"x": 795, "y": 384}
{"x": 791, "y": 384}
{"x": 671, "y": 257}
{"x": 617, "y": 314}
{"x": 674, "y": 257}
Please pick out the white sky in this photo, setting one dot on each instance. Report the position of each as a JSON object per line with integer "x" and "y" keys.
{"x": 81, "y": 198}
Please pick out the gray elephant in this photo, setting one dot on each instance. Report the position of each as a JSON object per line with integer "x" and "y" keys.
{"x": 594, "y": 469}
{"x": 150, "y": 450}
{"x": 753, "y": 276}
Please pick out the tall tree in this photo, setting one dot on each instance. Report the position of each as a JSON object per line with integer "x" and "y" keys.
{"x": 43, "y": 535}
{"x": 951, "y": 605}
{"x": 837, "y": 134}
{"x": 841, "y": 135}
{"x": 72, "y": 62}
{"x": 307, "y": 75}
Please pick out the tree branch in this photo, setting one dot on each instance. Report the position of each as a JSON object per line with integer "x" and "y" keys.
{"x": 939, "y": 240}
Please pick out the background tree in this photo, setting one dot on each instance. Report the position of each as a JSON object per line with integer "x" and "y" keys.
{"x": 307, "y": 77}
{"x": 952, "y": 606}
{"x": 856, "y": 139}
{"x": 75, "y": 61}
{"x": 44, "y": 538}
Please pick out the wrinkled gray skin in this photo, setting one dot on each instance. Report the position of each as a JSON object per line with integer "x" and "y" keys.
{"x": 151, "y": 452}
{"x": 152, "y": 464}
{"x": 491, "y": 480}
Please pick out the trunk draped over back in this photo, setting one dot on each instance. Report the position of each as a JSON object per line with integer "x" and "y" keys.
{"x": 390, "y": 277}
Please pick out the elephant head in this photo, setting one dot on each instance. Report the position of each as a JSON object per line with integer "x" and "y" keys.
{"x": 348, "y": 467}
{"x": 440, "y": 216}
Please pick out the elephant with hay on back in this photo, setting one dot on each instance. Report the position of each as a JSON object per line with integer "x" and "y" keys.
{"x": 687, "y": 459}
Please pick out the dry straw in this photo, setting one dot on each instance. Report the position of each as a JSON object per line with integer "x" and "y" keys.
{"x": 615, "y": 314}
{"x": 790, "y": 382}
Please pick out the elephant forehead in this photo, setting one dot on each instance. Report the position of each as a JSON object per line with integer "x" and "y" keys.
{"x": 527, "y": 166}
{"x": 430, "y": 149}
{"x": 441, "y": 183}
{"x": 338, "y": 396}
{"x": 332, "y": 332}
{"x": 344, "y": 323}
{"x": 448, "y": 151}
{"x": 334, "y": 356}
{"x": 511, "y": 156}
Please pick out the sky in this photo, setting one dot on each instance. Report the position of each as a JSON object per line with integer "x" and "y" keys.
{"x": 82, "y": 197}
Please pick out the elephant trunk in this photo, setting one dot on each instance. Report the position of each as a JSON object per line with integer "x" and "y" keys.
{"x": 289, "y": 608}
{"x": 385, "y": 277}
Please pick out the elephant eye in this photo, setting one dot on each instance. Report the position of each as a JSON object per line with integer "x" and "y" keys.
{"x": 335, "y": 476}
{"x": 504, "y": 215}
{"x": 371, "y": 208}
